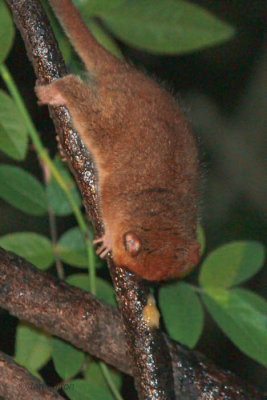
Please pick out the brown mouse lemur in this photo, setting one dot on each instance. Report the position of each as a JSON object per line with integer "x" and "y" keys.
{"x": 144, "y": 152}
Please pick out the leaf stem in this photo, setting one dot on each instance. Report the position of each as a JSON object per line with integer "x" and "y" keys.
{"x": 44, "y": 157}
{"x": 52, "y": 224}
{"x": 38, "y": 144}
{"x": 109, "y": 380}
{"x": 91, "y": 264}
{"x": 197, "y": 289}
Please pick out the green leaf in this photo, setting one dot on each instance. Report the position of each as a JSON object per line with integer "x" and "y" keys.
{"x": 242, "y": 315}
{"x": 35, "y": 248}
{"x": 166, "y": 27}
{"x": 36, "y": 374}
{"x": 182, "y": 312}
{"x": 80, "y": 389}
{"x": 22, "y": 190}
{"x": 93, "y": 374}
{"x": 67, "y": 359}
{"x": 13, "y": 131}
{"x": 6, "y": 31}
{"x": 201, "y": 238}
{"x": 33, "y": 348}
{"x": 71, "y": 248}
{"x": 104, "y": 290}
{"x": 8, "y": 145}
{"x": 96, "y": 7}
{"x": 231, "y": 264}
{"x": 79, "y": 280}
{"x": 56, "y": 197}
{"x": 103, "y": 38}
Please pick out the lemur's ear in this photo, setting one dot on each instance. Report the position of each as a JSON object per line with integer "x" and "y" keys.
{"x": 132, "y": 243}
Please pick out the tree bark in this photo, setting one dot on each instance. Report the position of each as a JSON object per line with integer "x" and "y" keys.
{"x": 24, "y": 385}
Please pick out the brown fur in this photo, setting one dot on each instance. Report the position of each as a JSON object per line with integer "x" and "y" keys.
{"x": 144, "y": 152}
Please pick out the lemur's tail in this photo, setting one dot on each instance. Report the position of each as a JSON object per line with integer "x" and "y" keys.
{"x": 94, "y": 56}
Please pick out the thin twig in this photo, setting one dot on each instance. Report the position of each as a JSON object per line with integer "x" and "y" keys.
{"x": 52, "y": 222}
{"x": 54, "y": 237}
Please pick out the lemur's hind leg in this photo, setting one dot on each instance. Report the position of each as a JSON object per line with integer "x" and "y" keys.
{"x": 84, "y": 105}
{"x": 65, "y": 91}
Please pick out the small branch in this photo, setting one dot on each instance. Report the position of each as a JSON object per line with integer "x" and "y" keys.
{"x": 16, "y": 382}
{"x": 95, "y": 327}
{"x": 146, "y": 346}
{"x": 52, "y": 222}
{"x": 53, "y": 234}
{"x": 76, "y": 316}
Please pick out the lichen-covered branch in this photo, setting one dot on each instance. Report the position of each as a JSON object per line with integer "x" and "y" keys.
{"x": 95, "y": 327}
{"x": 16, "y": 382}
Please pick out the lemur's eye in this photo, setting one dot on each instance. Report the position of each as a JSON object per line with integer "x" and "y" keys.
{"x": 132, "y": 243}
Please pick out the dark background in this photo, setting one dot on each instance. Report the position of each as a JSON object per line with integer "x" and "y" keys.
{"x": 222, "y": 91}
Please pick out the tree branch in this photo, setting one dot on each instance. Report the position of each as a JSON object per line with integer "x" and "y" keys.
{"x": 24, "y": 385}
{"x": 95, "y": 327}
